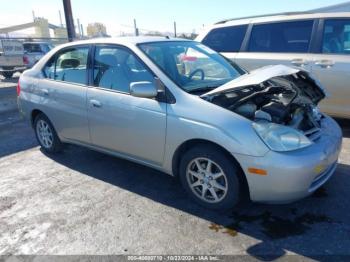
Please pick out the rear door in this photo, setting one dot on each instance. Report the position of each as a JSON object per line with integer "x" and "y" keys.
{"x": 226, "y": 40}
{"x": 119, "y": 122}
{"x": 62, "y": 93}
{"x": 332, "y": 65}
{"x": 286, "y": 43}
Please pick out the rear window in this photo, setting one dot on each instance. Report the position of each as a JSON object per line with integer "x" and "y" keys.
{"x": 287, "y": 37}
{"x": 69, "y": 65}
{"x": 32, "y": 48}
{"x": 226, "y": 39}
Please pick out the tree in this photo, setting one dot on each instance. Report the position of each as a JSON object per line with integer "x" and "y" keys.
{"x": 96, "y": 30}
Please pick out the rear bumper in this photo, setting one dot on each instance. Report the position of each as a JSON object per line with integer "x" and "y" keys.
{"x": 297, "y": 174}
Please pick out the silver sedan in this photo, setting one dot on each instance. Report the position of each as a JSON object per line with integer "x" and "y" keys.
{"x": 180, "y": 107}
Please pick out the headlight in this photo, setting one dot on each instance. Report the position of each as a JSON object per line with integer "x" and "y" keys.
{"x": 281, "y": 138}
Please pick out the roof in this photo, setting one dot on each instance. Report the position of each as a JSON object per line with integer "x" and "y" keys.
{"x": 125, "y": 40}
{"x": 283, "y": 16}
{"x": 258, "y": 16}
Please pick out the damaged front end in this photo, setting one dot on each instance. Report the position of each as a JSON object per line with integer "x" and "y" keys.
{"x": 281, "y": 102}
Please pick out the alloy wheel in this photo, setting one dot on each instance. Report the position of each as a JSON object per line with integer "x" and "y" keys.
{"x": 207, "y": 180}
{"x": 45, "y": 134}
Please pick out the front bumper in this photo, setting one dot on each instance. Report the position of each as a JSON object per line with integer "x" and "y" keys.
{"x": 296, "y": 174}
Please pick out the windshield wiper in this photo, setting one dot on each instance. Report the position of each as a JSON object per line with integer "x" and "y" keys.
{"x": 202, "y": 89}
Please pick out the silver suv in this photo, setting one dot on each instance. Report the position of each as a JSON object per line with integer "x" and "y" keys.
{"x": 318, "y": 43}
{"x": 182, "y": 108}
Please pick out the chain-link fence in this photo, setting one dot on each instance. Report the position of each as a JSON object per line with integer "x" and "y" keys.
{"x": 51, "y": 40}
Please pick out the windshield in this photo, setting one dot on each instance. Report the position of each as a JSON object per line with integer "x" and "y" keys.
{"x": 191, "y": 65}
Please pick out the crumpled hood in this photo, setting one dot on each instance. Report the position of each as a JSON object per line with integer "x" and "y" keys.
{"x": 256, "y": 77}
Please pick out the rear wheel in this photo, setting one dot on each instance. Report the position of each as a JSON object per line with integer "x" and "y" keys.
{"x": 46, "y": 135}
{"x": 7, "y": 75}
{"x": 210, "y": 177}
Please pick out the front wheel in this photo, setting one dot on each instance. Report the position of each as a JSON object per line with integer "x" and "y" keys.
{"x": 46, "y": 135}
{"x": 210, "y": 177}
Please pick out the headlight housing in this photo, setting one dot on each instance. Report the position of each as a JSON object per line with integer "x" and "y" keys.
{"x": 281, "y": 138}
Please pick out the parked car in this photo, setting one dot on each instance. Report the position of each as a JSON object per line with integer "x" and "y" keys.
{"x": 180, "y": 107}
{"x": 11, "y": 57}
{"x": 319, "y": 43}
{"x": 34, "y": 51}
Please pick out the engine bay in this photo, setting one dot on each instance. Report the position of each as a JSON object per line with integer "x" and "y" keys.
{"x": 289, "y": 100}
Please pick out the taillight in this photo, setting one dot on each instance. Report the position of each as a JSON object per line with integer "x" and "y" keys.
{"x": 25, "y": 60}
{"x": 18, "y": 89}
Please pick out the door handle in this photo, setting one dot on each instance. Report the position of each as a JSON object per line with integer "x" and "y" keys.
{"x": 299, "y": 62}
{"x": 95, "y": 103}
{"x": 45, "y": 92}
{"x": 325, "y": 63}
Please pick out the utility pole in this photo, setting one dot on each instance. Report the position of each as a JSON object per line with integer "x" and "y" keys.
{"x": 175, "y": 29}
{"x": 136, "y": 29}
{"x": 82, "y": 30}
{"x": 69, "y": 20}
{"x": 78, "y": 25}
{"x": 59, "y": 13}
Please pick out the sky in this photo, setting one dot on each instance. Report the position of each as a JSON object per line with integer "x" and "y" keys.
{"x": 151, "y": 15}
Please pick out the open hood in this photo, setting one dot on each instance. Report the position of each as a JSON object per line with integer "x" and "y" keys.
{"x": 277, "y": 94}
{"x": 259, "y": 76}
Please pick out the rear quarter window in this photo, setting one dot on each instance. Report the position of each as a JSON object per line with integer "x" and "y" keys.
{"x": 226, "y": 39}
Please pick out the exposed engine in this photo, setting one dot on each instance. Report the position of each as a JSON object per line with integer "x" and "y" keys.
{"x": 289, "y": 100}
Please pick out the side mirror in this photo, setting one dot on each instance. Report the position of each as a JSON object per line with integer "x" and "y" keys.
{"x": 143, "y": 89}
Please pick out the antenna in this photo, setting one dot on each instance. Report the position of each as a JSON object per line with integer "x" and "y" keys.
{"x": 33, "y": 13}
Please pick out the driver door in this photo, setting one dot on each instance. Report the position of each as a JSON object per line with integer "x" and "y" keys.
{"x": 132, "y": 126}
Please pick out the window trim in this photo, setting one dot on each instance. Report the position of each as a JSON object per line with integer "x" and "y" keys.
{"x": 168, "y": 97}
{"x": 226, "y": 27}
{"x": 250, "y": 31}
{"x": 55, "y": 56}
{"x": 320, "y": 35}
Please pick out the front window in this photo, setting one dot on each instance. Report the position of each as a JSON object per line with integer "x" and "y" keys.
{"x": 192, "y": 66}
{"x": 117, "y": 68}
{"x": 226, "y": 39}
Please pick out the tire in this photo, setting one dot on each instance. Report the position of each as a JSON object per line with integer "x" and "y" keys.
{"x": 46, "y": 135}
{"x": 220, "y": 163}
{"x": 7, "y": 75}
